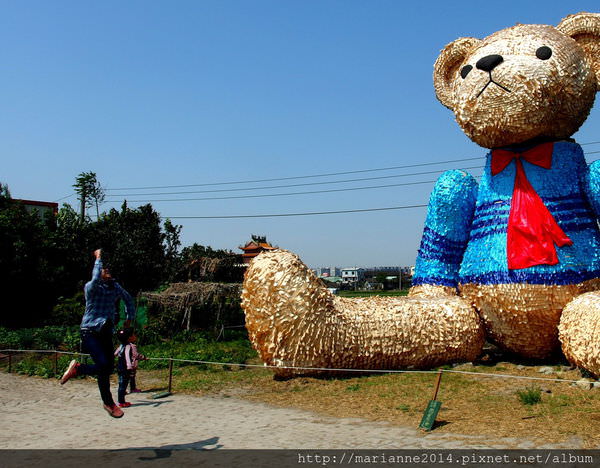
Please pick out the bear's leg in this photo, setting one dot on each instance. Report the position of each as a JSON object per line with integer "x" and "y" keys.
{"x": 579, "y": 331}
{"x": 293, "y": 320}
{"x": 521, "y": 318}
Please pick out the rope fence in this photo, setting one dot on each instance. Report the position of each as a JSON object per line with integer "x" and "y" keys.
{"x": 298, "y": 368}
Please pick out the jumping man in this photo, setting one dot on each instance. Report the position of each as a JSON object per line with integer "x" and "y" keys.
{"x": 101, "y": 294}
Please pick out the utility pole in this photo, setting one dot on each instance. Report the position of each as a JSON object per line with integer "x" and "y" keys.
{"x": 82, "y": 205}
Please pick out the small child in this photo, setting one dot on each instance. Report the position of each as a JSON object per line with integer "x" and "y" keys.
{"x": 135, "y": 358}
{"x": 124, "y": 354}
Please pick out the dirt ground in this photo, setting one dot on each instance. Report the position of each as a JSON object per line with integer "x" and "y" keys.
{"x": 41, "y": 414}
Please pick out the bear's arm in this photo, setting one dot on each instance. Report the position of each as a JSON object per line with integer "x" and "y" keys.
{"x": 447, "y": 228}
{"x": 592, "y": 186}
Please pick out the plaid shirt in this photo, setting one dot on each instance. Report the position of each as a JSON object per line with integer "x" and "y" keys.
{"x": 100, "y": 301}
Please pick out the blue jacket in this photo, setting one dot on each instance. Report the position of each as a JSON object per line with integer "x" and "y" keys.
{"x": 464, "y": 240}
{"x": 100, "y": 301}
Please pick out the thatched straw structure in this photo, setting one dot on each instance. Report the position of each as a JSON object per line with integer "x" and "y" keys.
{"x": 183, "y": 297}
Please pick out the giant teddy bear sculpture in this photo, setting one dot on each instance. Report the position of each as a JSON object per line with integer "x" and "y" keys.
{"x": 513, "y": 258}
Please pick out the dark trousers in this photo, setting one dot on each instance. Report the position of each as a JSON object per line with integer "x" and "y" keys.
{"x": 132, "y": 385}
{"x": 100, "y": 347}
{"x": 123, "y": 382}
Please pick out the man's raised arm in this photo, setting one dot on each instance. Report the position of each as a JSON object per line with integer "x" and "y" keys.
{"x": 97, "y": 271}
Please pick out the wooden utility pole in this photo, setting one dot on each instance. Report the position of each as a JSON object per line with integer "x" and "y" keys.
{"x": 82, "y": 205}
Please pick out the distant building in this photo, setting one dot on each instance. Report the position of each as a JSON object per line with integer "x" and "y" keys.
{"x": 384, "y": 269}
{"x": 254, "y": 247}
{"x": 332, "y": 282}
{"x": 353, "y": 275}
{"x": 41, "y": 207}
{"x": 406, "y": 271}
{"x": 356, "y": 274}
{"x": 327, "y": 271}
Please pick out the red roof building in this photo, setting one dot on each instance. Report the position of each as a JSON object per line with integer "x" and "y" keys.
{"x": 253, "y": 248}
{"x": 41, "y": 207}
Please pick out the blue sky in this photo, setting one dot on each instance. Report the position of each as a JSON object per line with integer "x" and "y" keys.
{"x": 202, "y": 92}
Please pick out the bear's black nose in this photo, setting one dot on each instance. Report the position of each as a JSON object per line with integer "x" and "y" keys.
{"x": 489, "y": 62}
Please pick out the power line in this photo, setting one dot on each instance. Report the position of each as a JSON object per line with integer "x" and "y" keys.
{"x": 297, "y": 177}
{"x": 289, "y": 185}
{"x": 312, "y": 175}
{"x": 265, "y": 195}
{"x": 284, "y": 194}
{"x": 66, "y": 196}
{"x": 279, "y": 194}
{"x": 294, "y": 185}
{"x": 314, "y": 213}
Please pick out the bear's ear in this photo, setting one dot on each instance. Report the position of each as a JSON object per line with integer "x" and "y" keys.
{"x": 446, "y": 67}
{"x": 585, "y": 29}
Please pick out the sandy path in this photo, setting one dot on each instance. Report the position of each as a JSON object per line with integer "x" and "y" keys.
{"x": 39, "y": 413}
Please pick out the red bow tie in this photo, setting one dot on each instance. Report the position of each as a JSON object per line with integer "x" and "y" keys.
{"x": 532, "y": 230}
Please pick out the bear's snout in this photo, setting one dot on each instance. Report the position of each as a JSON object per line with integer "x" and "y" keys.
{"x": 489, "y": 62}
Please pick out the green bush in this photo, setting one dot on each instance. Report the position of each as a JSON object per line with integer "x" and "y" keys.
{"x": 68, "y": 310}
{"x": 188, "y": 345}
{"x": 199, "y": 346}
{"x": 9, "y": 339}
{"x": 49, "y": 337}
{"x": 27, "y": 338}
{"x": 530, "y": 396}
{"x": 42, "y": 366}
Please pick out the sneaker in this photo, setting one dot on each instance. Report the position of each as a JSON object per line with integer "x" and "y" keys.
{"x": 114, "y": 411}
{"x": 72, "y": 371}
{"x": 125, "y": 404}
{"x": 135, "y": 390}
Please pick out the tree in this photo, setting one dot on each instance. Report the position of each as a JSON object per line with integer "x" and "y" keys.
{"x": 381, "y": 278}
{"x": 224, "y": 266}
{"x": 4, "y": 193}
{"x": 27, "y": 262}
{"x": 172, "y": 244}
{"x": 45, "y": 261}
{"x": 135, "y": 246}
{"x": 90, "y": 192}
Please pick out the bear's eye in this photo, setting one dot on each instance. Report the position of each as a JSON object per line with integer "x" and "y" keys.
{"x": 543, "y": 53}
{"x": 464, "y": 71}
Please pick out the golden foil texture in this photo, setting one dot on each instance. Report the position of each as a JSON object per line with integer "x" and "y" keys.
{"x": 294, "y": 320}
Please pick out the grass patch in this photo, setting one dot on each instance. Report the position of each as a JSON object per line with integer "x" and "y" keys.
{"x": 50, "y": 337}
{"x": 200, "y": 347}
{"x": 530, "y": 396}
{"x": 195, "y": 346}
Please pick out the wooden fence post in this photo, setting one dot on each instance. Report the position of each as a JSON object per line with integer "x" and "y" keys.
{"x": 9, "y": 362}
{"x": 170, "y": 374}
{"x": 55, "y": 363}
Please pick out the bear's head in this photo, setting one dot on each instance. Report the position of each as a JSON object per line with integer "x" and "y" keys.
{"x": 522, "y": 83}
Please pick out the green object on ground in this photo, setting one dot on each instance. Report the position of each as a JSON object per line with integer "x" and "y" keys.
{"x": 141, "y": 314}
{"x": 141, "y": 318}
{"x": 430, "y": 414}
{"x": 156, "y": 396}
